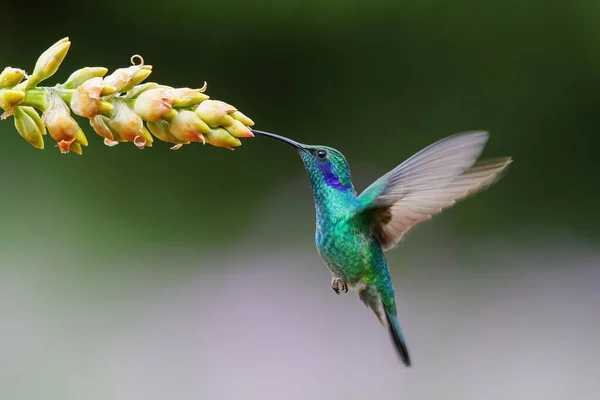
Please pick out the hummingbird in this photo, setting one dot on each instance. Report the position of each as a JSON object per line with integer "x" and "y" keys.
{"x": 353, "y": 231}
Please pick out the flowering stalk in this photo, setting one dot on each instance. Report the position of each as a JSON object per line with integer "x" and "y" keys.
{"x": 119, "y": 107}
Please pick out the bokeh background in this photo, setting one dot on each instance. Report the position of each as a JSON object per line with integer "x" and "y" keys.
{"x": 155, "y": 274}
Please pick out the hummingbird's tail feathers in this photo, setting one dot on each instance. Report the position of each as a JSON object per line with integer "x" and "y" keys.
{"x": 370, "y": 296}
{"x": 397, "y": 338}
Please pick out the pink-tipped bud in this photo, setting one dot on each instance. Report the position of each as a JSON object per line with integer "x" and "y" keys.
{"x": 155, "y": 104}
{"x": 85, "y": 101}
{"x": 162, "y": 130}
{"x": 187, "y": 126}
{"x": 61, "y": 126}
{"x": 215, "y": 113}
{"x": 221, "y": 138}
{"x": 100, "y": 125}
{"x": 123, "y": 79}
{"x": 239, "y": 130}
{"x": 127, "y": 123}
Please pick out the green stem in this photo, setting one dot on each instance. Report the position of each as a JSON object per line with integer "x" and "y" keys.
{"x": 38, "y": 97}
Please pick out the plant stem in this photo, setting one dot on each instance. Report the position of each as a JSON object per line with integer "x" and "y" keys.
{"x": 38, "y": 97}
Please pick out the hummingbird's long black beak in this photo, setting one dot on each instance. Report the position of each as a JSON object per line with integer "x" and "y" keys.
{"x": 291, "y": 142}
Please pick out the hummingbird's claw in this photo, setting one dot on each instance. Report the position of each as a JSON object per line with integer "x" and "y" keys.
{"x": 338, "y": 285}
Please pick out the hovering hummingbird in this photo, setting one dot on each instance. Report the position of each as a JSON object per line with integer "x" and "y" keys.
{"x": 354, "y": 230}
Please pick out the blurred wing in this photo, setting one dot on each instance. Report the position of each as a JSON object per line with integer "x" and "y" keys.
{"x": 431, "y": 180}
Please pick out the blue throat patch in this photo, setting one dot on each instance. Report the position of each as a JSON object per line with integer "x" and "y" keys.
{"x": 331, "y": 179}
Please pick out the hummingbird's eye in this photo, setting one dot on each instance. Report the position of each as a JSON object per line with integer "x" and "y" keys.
{"x": 321, "y": 154}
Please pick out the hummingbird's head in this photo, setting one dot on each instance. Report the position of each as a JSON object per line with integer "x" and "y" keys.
{"x": 326, "y": 167}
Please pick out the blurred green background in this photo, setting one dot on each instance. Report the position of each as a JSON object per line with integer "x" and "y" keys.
{"x": 154, "y": 274}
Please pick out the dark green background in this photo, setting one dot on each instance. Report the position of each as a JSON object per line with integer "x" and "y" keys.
{"x": 377, "y": 80}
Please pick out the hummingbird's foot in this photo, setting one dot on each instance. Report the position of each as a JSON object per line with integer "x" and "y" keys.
{"x": 338, "y": 285}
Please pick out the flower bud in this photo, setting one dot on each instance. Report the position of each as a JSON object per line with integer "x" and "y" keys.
{"x": 147, "y": 137}
{"x": 78, "y": 77}
{"x": 128, "y": 124}
{"x": 123, "y": 79}
{"x": 80, "y": 137}
{"x": 62, "y": 127}
{"x": 155, "y": 104}
{"x": 186, "y": 97}
{"x": 187, "y": 126}
{"x": 100, "y": 125}
{"x": 9, "y": 99}
{"x": 33, "y": 114}
{"x": 86, "y": 102}
{"x": 215, "y": 113}
{"x": 242, "y": 118}
{"x": 48, "y": 63}
{"x": 161, "y": 130}
{"x": 139, "y": 89}
{"x": 140, "y": 76}
{"x": 108, "y": 90}
{"x": 28, "y": 127}
{"x": 221, "y": 138}
{"x": 102, "y": 128}
{"x": 11, "y": 76}
{"x": 76, "y": 148}
{"x": 239, "y": 130}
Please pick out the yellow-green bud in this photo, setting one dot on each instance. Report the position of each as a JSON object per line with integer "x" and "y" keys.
{"x": 139, "y": 89}
{"x": 28, "y": 128}
{"x": 48, "y": 63}
{"x": 78, "y": 77}
{"x": 155, "y": 104}
{"x": 11, "y": 76}
{"x": 186, "y": 97}
{"x": 128, "y": 124}
{"x": 80, "y": 137}
{"x": 140, "y": 76}
{"x": 76, "y": 148}
{"x": 239, "y": 130}
{"x": 221, "y": 138}
{"x": 187, "y": 126}
{"x": 147, "y": 137}
{"x": 161, "y": 130}
{"x": 108, "y": 90}
{"x": 62, "y": 127}
{"x": 9, "y": 99}
{"x": 215, "y": 113}
{"x": 85, "y": 101}
{"x": 33, "y": 114}
{"x": 242, "y": 118}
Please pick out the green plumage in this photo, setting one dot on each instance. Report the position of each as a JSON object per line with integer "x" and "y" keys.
{"x": 353, "y": 231}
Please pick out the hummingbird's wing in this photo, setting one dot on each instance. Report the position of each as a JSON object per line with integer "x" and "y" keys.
{"x": 429, "y": 181}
